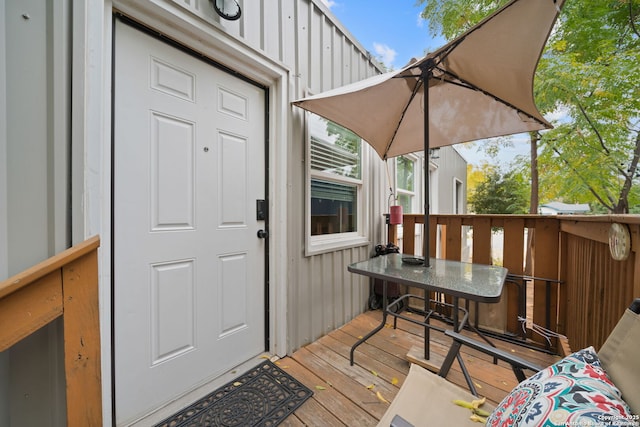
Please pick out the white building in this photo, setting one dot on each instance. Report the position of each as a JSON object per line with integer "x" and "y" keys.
{"x": 161, "y": 126}
{"x": 559, "y": 208}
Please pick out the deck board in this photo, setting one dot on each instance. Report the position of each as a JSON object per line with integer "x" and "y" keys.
{"x": 343, "y": 394}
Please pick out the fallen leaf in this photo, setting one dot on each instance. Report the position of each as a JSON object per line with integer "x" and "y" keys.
{"x": 476, "y": 403}
{"x": 264, "y": 356}
{"x": 381, "y": 398}
{"x": 394, "y": 381}
{"x": 237, "y": 384}
{"x": 359, "y": 337}
{"x": 478, "y": 419}
{"x": 374, "y": 373}
{"x": 319, "y": 387}
{"x": 370, "y": 386}
{"x": 478, "y": 385}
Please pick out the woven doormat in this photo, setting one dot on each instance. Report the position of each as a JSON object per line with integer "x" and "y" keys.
{"x": 264, "y": 396}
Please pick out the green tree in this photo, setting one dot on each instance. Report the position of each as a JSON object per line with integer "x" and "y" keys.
{"x": 588, "y": 76}
{"x": 500, "y": 193}
{"x": 590, "y": 72}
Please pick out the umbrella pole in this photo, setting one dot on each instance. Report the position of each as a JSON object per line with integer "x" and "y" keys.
{"x": 426, "y": 237}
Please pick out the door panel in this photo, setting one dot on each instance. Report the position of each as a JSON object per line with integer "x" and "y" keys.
{"x": 189, "y": 300}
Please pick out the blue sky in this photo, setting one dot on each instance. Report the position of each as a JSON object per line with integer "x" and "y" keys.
{"x": 390, "y": 30}
{"x": 393, "y": 31}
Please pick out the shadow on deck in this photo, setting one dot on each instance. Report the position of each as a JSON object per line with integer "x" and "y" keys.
{"x": 351, "y": 395}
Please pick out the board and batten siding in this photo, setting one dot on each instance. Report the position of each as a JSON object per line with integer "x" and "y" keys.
{"x": 322, "y": 294}
{"x": 34, "y": 191}
{"x": 451, "y": 171}
{"x": 321, "y": 54}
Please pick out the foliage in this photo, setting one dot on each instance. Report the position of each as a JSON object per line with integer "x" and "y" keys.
{"x": 500, "y": 193}
{"x": 474, "y": 177}
{"x": 588, "y": 79}
{"x": 344, "y": 137}
{"x": 350, "y": 143}
{"x": 590, "y": 72}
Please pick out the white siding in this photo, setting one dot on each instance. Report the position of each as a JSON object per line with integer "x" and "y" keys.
{"x": 451, "y": 168}
{"x": 34, "y": 198}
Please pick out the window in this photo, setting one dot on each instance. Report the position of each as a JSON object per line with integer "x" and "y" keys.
{"x": 335, "y": 217}
{"x": 458, "y": 196}
{"x": 406, "y": 183}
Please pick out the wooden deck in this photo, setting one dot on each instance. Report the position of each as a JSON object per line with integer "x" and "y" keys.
{"x": 347, "y": 395}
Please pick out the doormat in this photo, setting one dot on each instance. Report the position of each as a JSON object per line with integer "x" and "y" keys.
{"x": 264, "y": 396}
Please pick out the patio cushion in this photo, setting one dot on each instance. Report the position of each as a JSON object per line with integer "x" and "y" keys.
{"x": 619, "y": 357}
{"x": 574, "y": 391}
{"x": 425, "y": 399}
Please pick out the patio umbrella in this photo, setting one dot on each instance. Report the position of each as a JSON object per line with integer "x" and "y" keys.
{"x": 480, "y": 85}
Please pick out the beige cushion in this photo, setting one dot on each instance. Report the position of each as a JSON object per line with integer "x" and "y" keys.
{"x": 425, "y": 399}
{"x": 619, "y": 357}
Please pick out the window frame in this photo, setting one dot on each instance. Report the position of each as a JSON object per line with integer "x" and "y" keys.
{"x": 318, "y": 244}
{"x": 417, "y": 175}
{"x": 458, "y": 196}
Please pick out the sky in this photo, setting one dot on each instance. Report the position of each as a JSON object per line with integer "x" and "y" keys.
{"x": 394, "y": 32}
{"x": 391, "y": 30}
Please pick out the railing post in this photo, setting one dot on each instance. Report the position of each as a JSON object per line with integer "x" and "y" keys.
{"x": 514, "y": 262}
{"x": 82, "y": 341}
{"x": 64, "y": 285}
{"x": 546, "y": 255}
{"x": 409, "y": 234}
{"x": 392, "y": 234}
{"x": 453, "y": 238}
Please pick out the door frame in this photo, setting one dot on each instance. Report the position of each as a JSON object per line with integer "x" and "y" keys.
{"x": 197, "y": 36}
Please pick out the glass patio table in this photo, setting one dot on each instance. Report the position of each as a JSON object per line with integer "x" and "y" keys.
{"x": 473, "y": 282}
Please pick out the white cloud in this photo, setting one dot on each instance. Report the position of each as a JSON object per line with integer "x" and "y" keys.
{"x": 421, "y": 20}
{"x": 329, "y": 3}
{"x": 559, "y": 115}
{"x": 386, "y": 54}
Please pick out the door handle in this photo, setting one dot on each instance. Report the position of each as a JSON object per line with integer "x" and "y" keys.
{"x": 263, "y": 234}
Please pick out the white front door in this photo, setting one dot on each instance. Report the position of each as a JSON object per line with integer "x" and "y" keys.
{"x": 189, "y": 269}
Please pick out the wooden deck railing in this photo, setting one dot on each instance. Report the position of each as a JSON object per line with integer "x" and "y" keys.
{"x": 63, "y": 285}
{"x": 574, "y": 287}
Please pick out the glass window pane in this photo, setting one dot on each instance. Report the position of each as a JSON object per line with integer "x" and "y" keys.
{"x": 406, "y": 201}
{"x": 333, "y": 207}
{"x": 334, "y": 149}
{"x": 405, "y": 173}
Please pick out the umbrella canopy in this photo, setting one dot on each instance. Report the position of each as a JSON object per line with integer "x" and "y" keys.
{"x": 480, "y": 86}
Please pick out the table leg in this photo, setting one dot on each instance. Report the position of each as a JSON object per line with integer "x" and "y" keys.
{"x": 456, "y": 305}
{"x": 378, "y": 328}
{"x": 427, "y": 329}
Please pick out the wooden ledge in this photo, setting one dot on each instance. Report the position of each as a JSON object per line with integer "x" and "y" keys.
{"x": 45, "y": 267}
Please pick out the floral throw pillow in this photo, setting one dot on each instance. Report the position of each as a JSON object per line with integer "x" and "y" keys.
{"x": 575, "y": 391}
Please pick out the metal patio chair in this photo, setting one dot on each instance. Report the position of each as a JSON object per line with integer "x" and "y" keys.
{"x": 425, "y": 399}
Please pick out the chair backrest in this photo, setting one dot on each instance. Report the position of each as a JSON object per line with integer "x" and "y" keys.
{"x": 619, "y": 356}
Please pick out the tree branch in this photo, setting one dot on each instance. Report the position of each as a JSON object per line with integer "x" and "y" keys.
{"x": 593, "y": 126}
{"x": 621, "y": 206}
{"x": 632, "y": 19}
{"x": 611, "y": 207}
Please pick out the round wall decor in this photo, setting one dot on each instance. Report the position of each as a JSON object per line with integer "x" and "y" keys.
{"x": 619, "y": 241}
